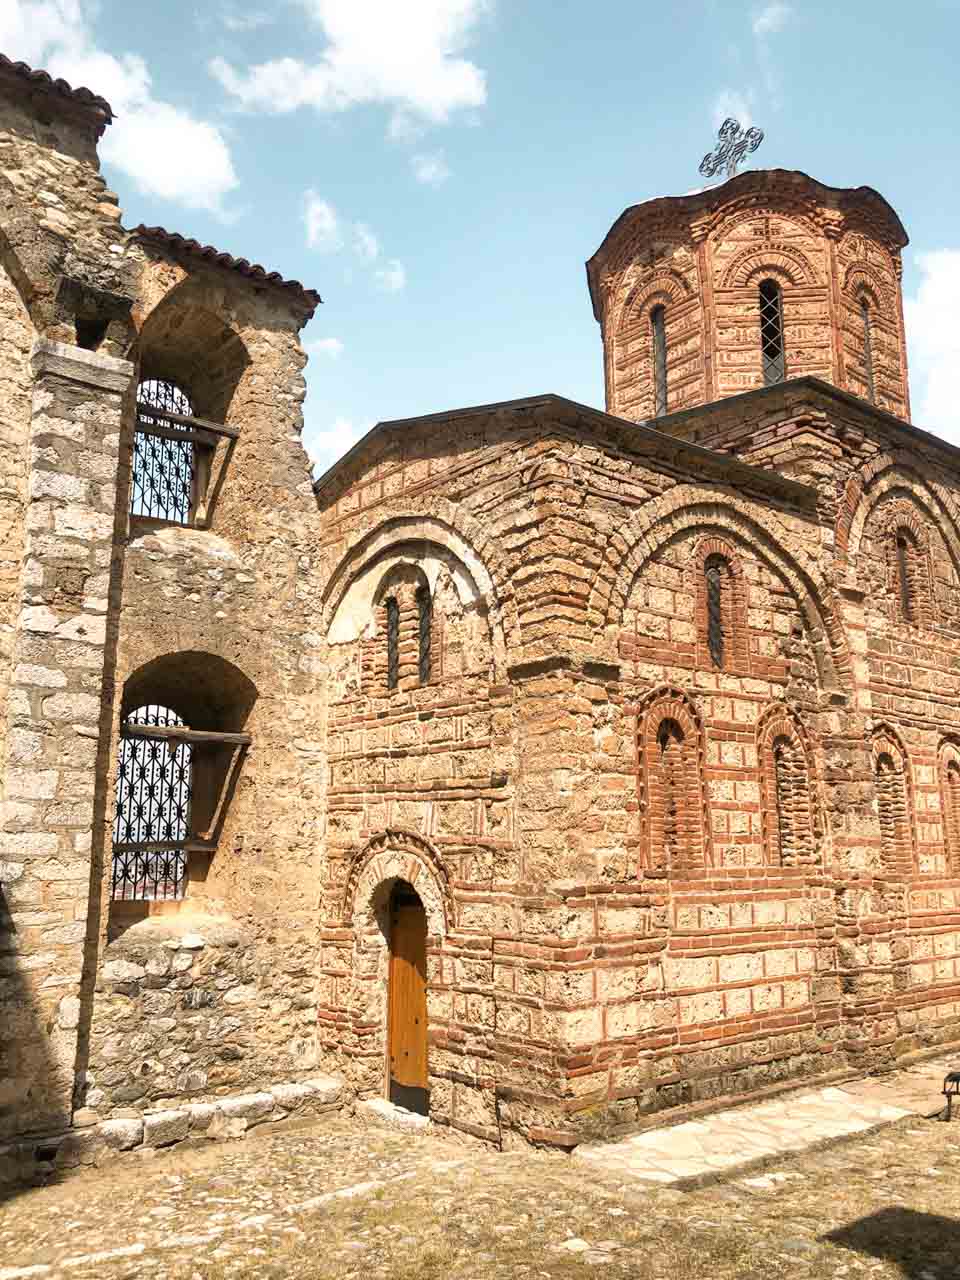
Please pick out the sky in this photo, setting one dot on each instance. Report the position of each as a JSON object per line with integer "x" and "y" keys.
{"x": 440, "y": 170}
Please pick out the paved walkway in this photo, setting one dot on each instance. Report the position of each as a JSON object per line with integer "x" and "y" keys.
{"x": 359, "y": 1199}
{"x": 752, "y": 1135}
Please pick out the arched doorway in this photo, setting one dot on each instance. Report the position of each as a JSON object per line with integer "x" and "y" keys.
{"x": 407, "y": 1001}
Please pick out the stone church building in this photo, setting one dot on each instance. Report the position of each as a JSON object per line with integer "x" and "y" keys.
{"x": 539, "y": 767}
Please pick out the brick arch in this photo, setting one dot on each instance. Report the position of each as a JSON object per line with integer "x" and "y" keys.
{"x": 882, "y": 475}
{"x": 695, "y": 508}
{"x": 781, "y": 262}
{"x": 454, "y": 533}
{"x": 779, "y": 721}
{"x": 861, "y": 277}
{"x": 666, "y": 286}
{"x": 897, "y": 849}
{"x": 391, "y": 855}
{"x": 661, "y": 704}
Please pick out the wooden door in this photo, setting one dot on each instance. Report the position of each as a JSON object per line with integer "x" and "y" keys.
{"x": 407, "y": 1019}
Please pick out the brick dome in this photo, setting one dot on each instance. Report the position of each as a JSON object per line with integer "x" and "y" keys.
{"x": 827, "y": 258}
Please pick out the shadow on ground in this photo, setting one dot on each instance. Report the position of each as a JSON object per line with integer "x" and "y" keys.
{"x": 926, "y": 1246}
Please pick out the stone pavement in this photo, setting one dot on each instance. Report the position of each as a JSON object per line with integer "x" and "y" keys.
{"x": 358, "y": 1198}
{"x": 747, "y": 1136}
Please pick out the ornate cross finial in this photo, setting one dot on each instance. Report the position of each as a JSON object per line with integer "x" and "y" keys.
{"x": 734, "y": 144}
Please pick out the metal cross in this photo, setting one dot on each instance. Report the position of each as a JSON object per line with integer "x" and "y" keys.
{"x": 734, "y": 144}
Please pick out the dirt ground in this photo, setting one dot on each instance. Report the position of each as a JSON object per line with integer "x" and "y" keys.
{"x": 350, "y": 1199}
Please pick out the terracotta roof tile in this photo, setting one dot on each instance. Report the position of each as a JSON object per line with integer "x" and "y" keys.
{"x": 43, "y": 80}
{"x": 252, "y": 270}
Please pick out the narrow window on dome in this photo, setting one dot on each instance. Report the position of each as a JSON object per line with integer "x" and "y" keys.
{"x": 715, "y": 569}
{"x": 393, "y": 643}
{"x": 867, "y": 350}
{"x": 771, "y": 333}
{"x": 425, "y": 623}
{"x": 658, "y": 325}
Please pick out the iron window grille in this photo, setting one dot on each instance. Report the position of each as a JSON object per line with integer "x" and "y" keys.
{"x": 425, "y": 626}
{"x": 152, "y": 819}
{"x": 868, "y": 351}
{"x": 393, "y": 643}
{"x": 771, "y": 333}
{"x": 658, "y": 325}
{"x": 714, "y": 571}
{"x": 905, "y": 554}
{"x": 171, "y": 455}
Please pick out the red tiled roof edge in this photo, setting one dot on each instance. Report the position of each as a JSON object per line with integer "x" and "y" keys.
{"x": 43, "y": 80}
{"x": 252, "y": 270}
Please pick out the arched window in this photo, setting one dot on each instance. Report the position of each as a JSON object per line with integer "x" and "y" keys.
{"x": 152, "y": 817}
{"x": 771, "y": 333}
{"x": 670, "y": 739}
{"x": 949, "y": 769}
{"x": 867, "y": 349}
{"x": 893, "y": 803}
{"x": 717, "y": 573}
{"x": 424, "y": 628}
{"x": 164, "y": 456}
{"x": 952, "y": 814}
{"x": 789, "y": 819}
{"x": 393, "y": 642}
{"x": 672, "y": 796}
{"x": 908, "y": 569}
{"x": 658, "y": 327}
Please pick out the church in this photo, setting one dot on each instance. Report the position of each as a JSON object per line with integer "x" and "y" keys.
{"x": 540, "y": 769}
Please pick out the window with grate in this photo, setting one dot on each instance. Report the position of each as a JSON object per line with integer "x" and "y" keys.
{"x": 771, "y": 333}
{"x": 670, "y": 741}
{"x": 393, "y": 642}
{"x": 424, "y": 629}
{"x": 867, "y": 350}
{"x": 717, "y": 572}
{"x": 952, "y": 814}
{"x": 152, "y": 817}
{"x": 658, "y": 325}
{"x": 892, "y": 810}
{"x": 163, "y": 462}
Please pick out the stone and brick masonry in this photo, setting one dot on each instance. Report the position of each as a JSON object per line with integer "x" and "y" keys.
{"x": 680, "y": 794}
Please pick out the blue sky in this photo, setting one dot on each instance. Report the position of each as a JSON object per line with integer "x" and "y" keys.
{"x": 440, "y": 169}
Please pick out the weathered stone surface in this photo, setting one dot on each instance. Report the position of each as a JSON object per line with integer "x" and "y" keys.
{"x": 122, "y": 1134}
{"x": 160, "y": 1128}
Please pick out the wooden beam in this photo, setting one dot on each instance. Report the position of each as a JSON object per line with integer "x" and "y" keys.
{"x": 183, "y": 420}
{"x": 169, "y": 732}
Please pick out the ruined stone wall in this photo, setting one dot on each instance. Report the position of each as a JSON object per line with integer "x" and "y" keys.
{"x": 15, "y": 379}
{"x": 216, "y": 623}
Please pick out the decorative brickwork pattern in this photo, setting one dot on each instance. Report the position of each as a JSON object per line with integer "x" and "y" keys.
{"x": 672, "y": 799}
{"x": 705, "y": 257}
{"x": 894, "y": 807}
{"x": 789, "y": 799}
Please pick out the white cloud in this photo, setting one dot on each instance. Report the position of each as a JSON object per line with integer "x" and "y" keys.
{"x": 771, "y": 19}
{"x": 365, "y": 242}
{"x": 234, "y": 20}
{"x": 430, "y": 168}
{"x": 165, "y": 150}
{"x": 325, "y": 446}
{"x": 405, "y": 56}
{"x": 731, "y": 103}
{"x": 331, "y": 347}
{"x": 934, "y": 343}
{"x": 391, "y": 277}
{"x": 322, "y": 224}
